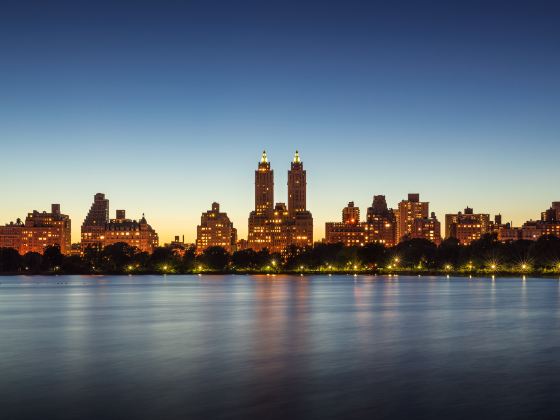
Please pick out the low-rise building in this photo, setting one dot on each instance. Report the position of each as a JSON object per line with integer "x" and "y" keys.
{"x": 350, "y": 232}
{"x": 39, "y": 231}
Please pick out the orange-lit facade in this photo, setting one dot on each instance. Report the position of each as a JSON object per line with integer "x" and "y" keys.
{"x": 215, "y": 229}
{"x": 98, "y": 231}
{"x": 350, "y": 232}
{"x": 276, "y": 227}
{"x": 468, "y": 226}
{"x": 40, "y": 230}
{"x": 381, "y": 225}
{"x": 407, "y": 212}
{"x": 532, "y": 230}
{"x": 427, "y": 228}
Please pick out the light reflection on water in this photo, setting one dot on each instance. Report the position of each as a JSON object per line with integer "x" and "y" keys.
{"x": 279, "y": 346}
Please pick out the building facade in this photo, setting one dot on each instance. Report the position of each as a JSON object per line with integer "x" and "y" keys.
{"x": 98, "y": 231}
{"x": 427, "y": 228}
{"x": 407, "y": 212}
{"x": 39, "y": 231}
{"x": 349, "y": 232}
{"x": 215, "y": 229}
{"x": 381, "y": 225}
{"x": 276, "y": 227}
{"x": 468, "y": 226}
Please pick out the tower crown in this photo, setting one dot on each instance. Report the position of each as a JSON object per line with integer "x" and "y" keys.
{"x": 296, "y": 157}
{"x": 264, "y": 158}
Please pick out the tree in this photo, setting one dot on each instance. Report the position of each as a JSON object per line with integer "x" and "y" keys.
{"x": 416, "y": 252}
{"x": 117, "y": 257}
{"x": 244, "y": 259}
{"x": 449, "y": 252}
{"x": 52, "y": 258}
{"x": 215, "y": 258}
{"x": 32, "y": 262}
{"x": 545, "y": 252}
{"x": 10, "y": 260}
{"x": 164, "y": 259}
{"x": 188, "y": 262}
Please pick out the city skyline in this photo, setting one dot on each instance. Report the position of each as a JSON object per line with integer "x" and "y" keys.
{"x": 173, "y": 103}
{"x": 264, "y": 199}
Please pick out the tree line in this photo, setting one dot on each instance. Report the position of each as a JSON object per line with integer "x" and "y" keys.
{"x": 416, "y": 255}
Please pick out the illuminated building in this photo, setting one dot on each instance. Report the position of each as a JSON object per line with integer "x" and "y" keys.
{"x": 93, "y": 228}
{"x": 381, "y": 226}
{"x": 40, "y": 230}
{"x": 407, "y": 212}
{"x": 467, "y": 227}
{"x": 350, "y": 232}
{"x": 11, "y": 235}
{"x": 507, "y": 233}
{"x": 215, "y": 229}
{"x": 98, "y": 231}
{"x": 301, "y": 233}
{"x": 427, "y": 228}
{"x": 532, "y": 230}
{"x": 276, "y": 227}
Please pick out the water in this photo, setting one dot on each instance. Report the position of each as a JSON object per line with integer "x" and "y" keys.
{"x": 278, "y": 347}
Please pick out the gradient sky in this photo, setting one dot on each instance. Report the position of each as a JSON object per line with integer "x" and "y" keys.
{"x": 165, "y": 106}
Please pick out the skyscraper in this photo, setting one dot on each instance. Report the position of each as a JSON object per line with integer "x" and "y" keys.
{"x": 297, "y": 186}
{"x": 259, "y": 236}
{"x": 277, "y": 226}
{"x": 264, "y": 187}
{"x": 300, "y": 217}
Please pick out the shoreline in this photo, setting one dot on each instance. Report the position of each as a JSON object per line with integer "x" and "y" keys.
{"x": 407, "y": 273}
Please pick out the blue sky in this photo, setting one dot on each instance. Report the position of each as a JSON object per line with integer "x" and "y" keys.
{"x": 166, "y": 105}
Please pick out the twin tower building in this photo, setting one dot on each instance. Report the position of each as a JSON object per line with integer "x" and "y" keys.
{"x": 277, "y": 226}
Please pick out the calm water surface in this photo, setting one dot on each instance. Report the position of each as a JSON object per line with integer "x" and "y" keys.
{"x": 279, "y": 347}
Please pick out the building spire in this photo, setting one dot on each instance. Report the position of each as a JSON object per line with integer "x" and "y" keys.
{"x": 296, "y": 157}
{"x": 264, "y": 159}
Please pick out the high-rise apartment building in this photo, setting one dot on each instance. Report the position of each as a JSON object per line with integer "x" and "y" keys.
{"x": 276, "y": 227}
{"x": 408, "y": 211}
{"x": 40, "y": 230}
{"x": 427, "y": 228}
{"x": 297, "y": 186}
{"x": 93, "y": 227}
{"x": 98, "y": 231}
{"x": 215, "y": 229}
{"x": 468, "y": 226}
{"x": 350, "y": 232}
{"x": 381, "y": 226}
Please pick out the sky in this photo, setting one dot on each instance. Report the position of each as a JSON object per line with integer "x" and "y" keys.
{"x": 166, "y": 106}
